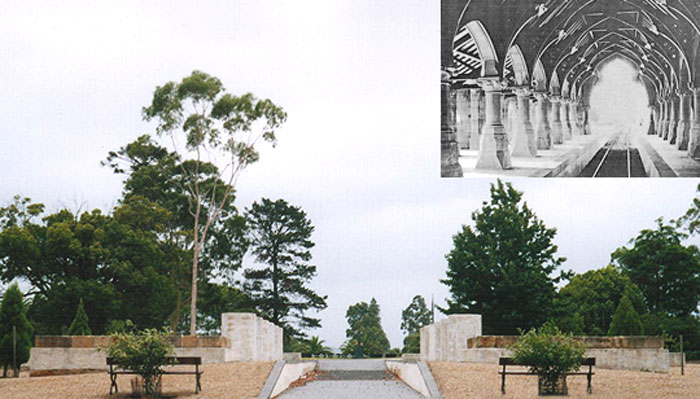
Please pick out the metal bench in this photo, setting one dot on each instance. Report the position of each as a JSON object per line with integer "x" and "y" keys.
{"x": 194, "y": 361}
{"x": 508, "y": 361}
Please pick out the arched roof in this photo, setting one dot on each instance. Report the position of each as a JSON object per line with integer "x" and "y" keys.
{"x": 570, "y": 38}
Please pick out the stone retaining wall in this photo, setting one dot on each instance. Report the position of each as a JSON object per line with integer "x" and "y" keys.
{"x": 458, "y": 339}
{"x": 246, "y": 337}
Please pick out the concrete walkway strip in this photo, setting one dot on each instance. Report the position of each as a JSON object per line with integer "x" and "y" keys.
{"x": 429, "y": 380}
{"x": 269, "y": 385}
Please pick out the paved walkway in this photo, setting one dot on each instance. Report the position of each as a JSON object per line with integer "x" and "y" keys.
{"x": 353, "y": 379}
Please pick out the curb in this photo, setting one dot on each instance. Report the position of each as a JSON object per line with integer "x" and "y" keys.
{"x": 269, "y": 385}
{"x": 429, "y": 380}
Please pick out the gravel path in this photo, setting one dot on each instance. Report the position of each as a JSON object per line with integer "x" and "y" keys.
{"x": 353, "y": 379}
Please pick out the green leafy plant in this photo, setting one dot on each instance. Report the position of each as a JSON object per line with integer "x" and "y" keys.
{"x": 549, "y": 353}
{"x": 80, "y": 326}
{"x": 144, "y": 352}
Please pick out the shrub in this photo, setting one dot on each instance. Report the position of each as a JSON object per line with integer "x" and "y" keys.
{"x": 626, "y": 320}
{"x": 143, "y": 352}
{"x": 80, "y": 326}
{"x": 13, "y": 313}
{"x": 549, "y": 353}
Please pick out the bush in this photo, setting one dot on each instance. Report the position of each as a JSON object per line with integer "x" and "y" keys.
{"x": 80, "y": 326}
{"x": 626, "y": 320}
{"x": 143, "y": 352}
{"x": 549, "y": 353}
{"x": 13, "y": 313}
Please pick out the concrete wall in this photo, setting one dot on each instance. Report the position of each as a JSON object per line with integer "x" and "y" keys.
{"x": 446, "y": 340}
{"x": 674, "y": 359}
{"x": 246, "y": 337}
{"x": 410, "y": 374}
{"x": 252, "y": 338}
{"x": 291, "y": 373}
{"x": 458, "y": 339}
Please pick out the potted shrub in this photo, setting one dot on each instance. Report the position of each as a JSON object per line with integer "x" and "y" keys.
{"x": 550, "y": 354}
{"x": 144, "y": 352}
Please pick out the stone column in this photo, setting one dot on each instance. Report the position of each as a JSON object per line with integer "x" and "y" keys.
{"x": 663, "y": 133}
{"x": 493, "y": 148}
{"x": 684, "y": 121}
{"x": 524, "y": 144}
{"x": 544, "y": 131}
{"x": 557, "y": 131}
{"x": 449, "y": 152}
{"x": 586, "y": 123}
{"x": 652, "y": 120}
{"x": 511, "y": 118}
{"x": 673, "y": 120}
{"x": 694, "y": 142}
{"x": 564, "y": 116}
{"x": 463, "y": 123}
{"x": 476, "y": 119}
{"x": 573, "y": 118}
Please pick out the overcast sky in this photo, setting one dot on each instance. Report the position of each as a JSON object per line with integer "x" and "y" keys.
{"x": 360, "y": 150}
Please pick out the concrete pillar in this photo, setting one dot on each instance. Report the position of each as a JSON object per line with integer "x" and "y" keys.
{"x": 664, "y": 119}
{"x": 511, "y": 107}
{"x": 683, "y": 129}
{"x": 573, "y": 118}
{"x": 543, "y": 133}
{"x": 657, "y": 117}
{"x": 586, "y": 122}
{"x": 673, "y": 118}
{"x": 476, "y": 120}
{"x": 557, "y": 131}
{"x": 449, "y": 152}
{"x": 694, "y": 142}
{"x": 564, "y": 116}
{"x": 462, "y": 121}
{"x": 652, "y": 121}
{"x": 493, "y": 148}
{"x": 524, "y": 143}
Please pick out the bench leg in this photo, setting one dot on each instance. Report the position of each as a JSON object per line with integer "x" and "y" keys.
{"x": 199, "y": 386}
{"x": 589, "y": 380}
{"x": 503, "y": 380}
{"x": 113, "y": 383}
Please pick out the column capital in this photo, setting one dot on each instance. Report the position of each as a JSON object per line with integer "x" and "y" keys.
{"x": 695, "y": 90}
{"x": 490, "y": 84}
{"x": 554, "y": 99}
{"x": 522, "y": 91}
{"x": 541, "y": 95}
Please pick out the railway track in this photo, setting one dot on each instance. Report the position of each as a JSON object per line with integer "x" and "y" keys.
{"x": 617, "y": 158}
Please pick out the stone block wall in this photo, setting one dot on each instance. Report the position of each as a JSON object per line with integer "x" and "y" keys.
{"x": 252, "y": 338}
{"x": 246, "y": 337}
{"x": 446, "y": 340}
{"x": 458, "y": 339}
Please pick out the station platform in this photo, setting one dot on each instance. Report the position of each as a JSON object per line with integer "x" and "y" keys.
{"x": 660, "y": 158}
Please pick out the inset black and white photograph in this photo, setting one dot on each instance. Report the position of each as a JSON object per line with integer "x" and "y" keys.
{"x": 567, "y": 88}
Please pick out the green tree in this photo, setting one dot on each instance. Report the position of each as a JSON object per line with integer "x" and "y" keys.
{"x": 102, "y": 259}
{"x": 626, "y": 320}
{"x": 80, "y": 325}
{"x": 315, "y": 346}
{"x": 365, "y": 329}
{"x": 666, "y": 271}
{"x": 280, "y": 238}
{"x": 156, "y": 175}
{"x": 13, "y": 314}
{"x": 415, "y": 316}
{"x": 586, "y": 304}
{"x": 501, "y": 267}
{"x": 226, "y": 127}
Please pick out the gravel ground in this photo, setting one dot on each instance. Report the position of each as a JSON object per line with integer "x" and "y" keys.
{"x": 473, "y": 380}
{"x": 219, "y": 381}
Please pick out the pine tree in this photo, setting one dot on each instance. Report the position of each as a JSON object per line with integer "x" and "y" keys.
{"x": 626, "y": 320}
{"x": 80, "y": 326}
{"x": 13, "y": 314}
{"x": 280, "y": 239}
